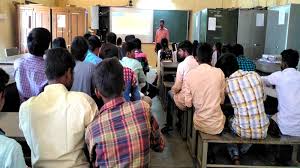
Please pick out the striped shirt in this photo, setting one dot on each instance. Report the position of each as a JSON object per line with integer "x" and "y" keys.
{"x": 246, "y": 93}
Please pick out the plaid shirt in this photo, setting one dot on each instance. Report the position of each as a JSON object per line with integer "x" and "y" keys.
{"x": 120, "y": 135}
{"x": 246, "y": 64}
{"x": 246, "y": 93}
{"x": 30, "y": 76}
{"x": 129, "y": 76}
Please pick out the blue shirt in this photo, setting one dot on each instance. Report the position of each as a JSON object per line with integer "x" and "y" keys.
{"x": 92, "y": 58}
{"x": 11, "y": 154}
{"x": 245, "y": 64}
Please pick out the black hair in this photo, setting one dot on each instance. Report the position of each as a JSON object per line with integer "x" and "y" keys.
{"x": 57, "y": 63}
{"x": 228, "y": 64}
{"x": 162, "y": 21}
{"x": 79, "y": 47}
{"x": 290, "y": 57}
{"x": 195, "y": 47}
{"x": 187, "y": 46}
{"x": 138, "y": 43}
{"x": 119, "y": 41}
{"x": 219, "y": 48}
{"x": 164, "y": 43}
{"x": 227, "y": 48}
{"x": 131, "y": 45}
{"x": 94, "y": 43}
{"x": 129, "y": 38}
{"x": 109, "y": 51}
{"x": 59, "y": 42}
{"x": 38, "y": 41}
{"x": 204, "y": 53}
{"x": 108, "y": 78}
{"x": 111, "y": 38}
{"x": 87, "y": 36}
{"x": 4, "y": 78}
{"x": 238, "y": 50}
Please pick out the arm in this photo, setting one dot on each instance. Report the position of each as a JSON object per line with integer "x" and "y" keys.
{"x": 223, "y": 89}
{"x": 168, "y": 35}
{"x": 271, "y": 79}
{"x": 141, "y": 76}
{"x": 91, "y": 110}
{"x": 188, "y": 97}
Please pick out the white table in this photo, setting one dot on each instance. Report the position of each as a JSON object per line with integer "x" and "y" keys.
{"x": 9, "y": 123}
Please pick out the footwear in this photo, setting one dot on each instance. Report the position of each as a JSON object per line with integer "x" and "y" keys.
{"x": 236, "y": 160}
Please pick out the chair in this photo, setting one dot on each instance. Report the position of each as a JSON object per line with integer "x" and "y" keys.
{"x": 11, "y": 51}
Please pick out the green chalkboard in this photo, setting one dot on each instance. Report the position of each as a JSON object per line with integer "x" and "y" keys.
{"x": 176, "y": 21}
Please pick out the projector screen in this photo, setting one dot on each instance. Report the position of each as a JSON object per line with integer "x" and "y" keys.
{"x": 125, "y": 21}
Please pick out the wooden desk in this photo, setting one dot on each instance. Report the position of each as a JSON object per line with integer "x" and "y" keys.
{"x": 267, "y": 68}
{"x": 168, "y": 65}
{"x": 11, "y": 59}
{"x": 9, "y": 123}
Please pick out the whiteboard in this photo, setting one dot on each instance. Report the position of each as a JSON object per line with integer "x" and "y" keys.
{"x": 126, "y": 21}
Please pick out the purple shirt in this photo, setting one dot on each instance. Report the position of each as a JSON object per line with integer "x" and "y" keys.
{"x": 30, "y": 76}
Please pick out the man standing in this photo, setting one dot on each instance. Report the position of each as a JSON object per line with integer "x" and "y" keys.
{"x": 162, "y": 32}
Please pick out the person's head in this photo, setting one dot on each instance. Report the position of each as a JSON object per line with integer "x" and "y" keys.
{"x": 119, "y": 41}
{"x": 59, "y": 42}
{"x": 217, "y": 47}
{"x": 204, "y": 54}
{"x": 185, "y": 48}
{"x": 87, "y": 36}
{"x": 238, "y": 50}
{"x": 108, "y": 79}
{"x": 38, "y": 41}
{"x": 94, "y": 44}
{"x": 228, "y": 64}
{"x": 109, "y": 51}
{"x": 79, "y": 48}
{"x": 129, "y": 38}
{"x": 161, "y": 23}
{"x": 227, "y": 48}
{"x": 130, "y": 49}
{"x": 111, "y": 38}
{"x": 59, "y": 66}
{"x": 138, "y": 43}
{"x": 4, "y": 77}
{"x": 195, "y": 47}
{"x": 290, "y": 58}
{"x": 164, "y": 43}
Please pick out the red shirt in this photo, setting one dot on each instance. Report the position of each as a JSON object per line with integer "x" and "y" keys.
{"x": 162, "y": 33}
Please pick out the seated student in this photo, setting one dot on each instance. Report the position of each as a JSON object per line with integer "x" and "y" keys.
{"x": 133, "y": 128}
{"x": 245, "y": 63}
{"x": 30, "y": 70}
{"x": 59, "y": 42}
{"x": 246, "y": 92}
{"x": 141, "y": 56}
{"x": 119, "y": 42}
{"x": 92, "y": 55}
{"x": 124, "y": 45}
{"x": 110, "y": 46}
{"x": 11, "y": 154}
{"x": 164, "y": 54}
{"x": 205, "y": 89}
{"x": 217, "y": 53}
{"x": 53, "y": 123}
{"x": 130, "y": 62}
{"x": 83, "y": 70}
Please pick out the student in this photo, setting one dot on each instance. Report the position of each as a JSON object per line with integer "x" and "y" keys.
{"x": 59, "y": 42}
{"x": 11, "y": 154}
{"x": 162, "y": 32}
{"x": 30, "y": 70}
{"x": 244, "y": 63}
{"x": 227, "y": 48}
{"x": 164, "y": 54}
{"x": 246, "y": 92}
{"x": 109, "y": 49}
{"x": 83, "y": 70}
{"x": 130, "y": 62}
{"x": 124, "y": 45}
{"x": 131, "y": 141}
{"x": 205, "y": 87}
{"x": 217, "y": 53}
{"x": 92, "y": 55}
{"x": 53, "y": 123}
{"x": 141, "y": 56}
{"x": 119, "y": 42}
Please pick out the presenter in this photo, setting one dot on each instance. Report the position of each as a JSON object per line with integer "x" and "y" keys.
{"x": 162, "y": 32}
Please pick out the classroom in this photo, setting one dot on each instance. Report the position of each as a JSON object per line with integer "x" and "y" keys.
{"x": 149, "y": 83}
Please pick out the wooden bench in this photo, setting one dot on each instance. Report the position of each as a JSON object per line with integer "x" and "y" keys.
{"x": 227, "y": 138}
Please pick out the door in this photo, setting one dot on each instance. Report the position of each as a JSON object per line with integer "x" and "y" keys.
{"x": 77, "y": 23}
{"x": 244, "y": 33}
{"x": 60, "y": 24}
{"x": 26, "y": 24}
{"x": 42, "y": 17}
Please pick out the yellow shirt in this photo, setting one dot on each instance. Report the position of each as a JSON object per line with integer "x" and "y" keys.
{"x": 205, "y": 90}
{"x": 53, "y": 124}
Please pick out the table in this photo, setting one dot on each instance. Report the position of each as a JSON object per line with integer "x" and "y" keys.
{"x": 9, "y": 123}
{"x": 10, "y": 59}
{"x": 267, "y": 68}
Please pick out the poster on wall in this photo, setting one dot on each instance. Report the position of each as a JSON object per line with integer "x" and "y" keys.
{"x": 260, "y": 20}
{"x": 61, "y": 21}
{"x": 281, "y": 18}
{"x": 212, "y": 23}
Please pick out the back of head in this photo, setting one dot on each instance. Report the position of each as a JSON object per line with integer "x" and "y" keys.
{"x": 195, "y": 47}
{"x": 59, "y": 42}
{"x": 119, "y": 41}
{"x": 218, "y": 46}
{"x": 238, "y": 50}
{"x": 290, "y": 57}
{"x": 94, "y": 43}
{"x": 130, "y": 46}
{"x": 79, "y": 48}
{"x": 129, "y": 38}
{"x": 227, "y": 48}
{"x": 111, "y": 38}
{"x": 228, "y": 64}
{"x": 87, "y": 36}
{"x": 138, "y": 43}
{"x": 204, "y": 53}
{"x": 187, "y": 46}
{"x": 108, "y": 78}
{"x": 4, "y": 77}
{"x": 58, "y": 61}
{"x": 164, "y": 43}
{"x": 38, "y": 41}
{"x": 109, "y": 50}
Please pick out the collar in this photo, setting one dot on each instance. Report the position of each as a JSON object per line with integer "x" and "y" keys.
{"x": 112, "y": 104}
{"x": 289, "y": 70}
{"x": 35, "y": 57}
{"x": 238, "y": 73}
{"x": 55, "y": 87}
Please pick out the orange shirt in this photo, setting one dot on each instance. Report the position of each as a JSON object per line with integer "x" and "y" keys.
{"x": 162, "y": 33}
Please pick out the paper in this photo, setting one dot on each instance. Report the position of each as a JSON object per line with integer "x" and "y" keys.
{"x": 61, "y": 21}
{"x": 212, "y": 23}
{"x": 260, "y": 20}
{"x": 281, "y": 18}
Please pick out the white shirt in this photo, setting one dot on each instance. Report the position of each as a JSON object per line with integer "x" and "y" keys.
{"x": 214, "y": 58}
{"x": 54, "y": 124}
{"x": 287, "y": 84}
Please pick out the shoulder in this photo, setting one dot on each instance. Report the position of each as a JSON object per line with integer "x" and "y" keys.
{"x": 80, "y": 98}
{"x": 10, "y": 144}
